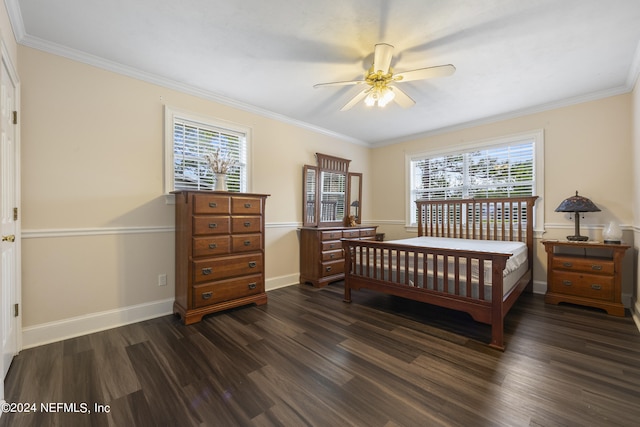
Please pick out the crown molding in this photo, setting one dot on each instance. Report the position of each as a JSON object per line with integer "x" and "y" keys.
{"x": 86, "y": 58}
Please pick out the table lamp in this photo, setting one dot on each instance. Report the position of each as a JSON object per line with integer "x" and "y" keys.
{"x": 577, "y": 204}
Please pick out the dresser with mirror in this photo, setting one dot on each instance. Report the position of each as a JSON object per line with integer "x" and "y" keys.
{"x": 332, "y": 202}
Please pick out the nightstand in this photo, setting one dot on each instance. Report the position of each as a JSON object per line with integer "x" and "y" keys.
{"x": 585, "y": 273}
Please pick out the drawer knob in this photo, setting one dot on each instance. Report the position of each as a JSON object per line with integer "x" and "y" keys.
{"x": 252, "y": 264}
{"x": 567, "y": 264}
{"x": 207, "y": 295}
{"x": 328, "y": 269}
{"x": 213, "y": 205}
{"x": 247, "y": 242}
{"x": 596, "y": 287}
{"x": 212, "y": 246}
{"x": 332, "y": 256}
{"x": 596, "y": 267}
{"x": 247, "y": 224}
{"x": 213, "y": 225}
{"x": 247, "y": 205}
{"x": 252, "y": 286}
{"x": 567, "y": 282}
{"x": 206, "y": 271}
{"x": 331, "y": 245}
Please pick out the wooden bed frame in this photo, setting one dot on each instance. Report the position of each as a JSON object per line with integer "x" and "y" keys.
{"x": 505, "y": 219}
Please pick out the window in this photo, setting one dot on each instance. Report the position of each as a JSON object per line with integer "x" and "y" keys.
{"x": 188, "y": 138}
{"x": 507, "y": 167}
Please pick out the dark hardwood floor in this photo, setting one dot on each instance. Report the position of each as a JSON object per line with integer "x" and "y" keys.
{"x": 307, "y": 358}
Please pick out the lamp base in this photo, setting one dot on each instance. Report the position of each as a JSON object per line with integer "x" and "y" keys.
{"x": 612, "y": 242}
{"x": 577, "y": 238}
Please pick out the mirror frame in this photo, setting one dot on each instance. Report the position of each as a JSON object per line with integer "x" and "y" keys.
{"x": 311, "y": 214}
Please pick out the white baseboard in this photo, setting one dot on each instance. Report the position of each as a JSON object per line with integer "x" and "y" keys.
{"x": 45, "y": 333}
{"x": 539, "y": 287}
{"x": 281, "y": 281}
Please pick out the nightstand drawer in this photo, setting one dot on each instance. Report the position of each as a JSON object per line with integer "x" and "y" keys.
{"x": 583, "y": 285}
{"x": 586, "y": 265}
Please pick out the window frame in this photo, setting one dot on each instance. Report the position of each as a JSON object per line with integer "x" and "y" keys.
{"x": 170, "y": 116}
{"x": 536, "y": 136}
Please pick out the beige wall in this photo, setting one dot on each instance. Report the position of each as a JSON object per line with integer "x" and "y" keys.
{"x": 97, "y": 230}
{"x": 587, "y": 149}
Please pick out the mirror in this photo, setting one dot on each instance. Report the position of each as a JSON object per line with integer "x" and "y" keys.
{"x": 331, "y": 193}
{"x": 355, "y": 196}
{"x": 310, "y": 177}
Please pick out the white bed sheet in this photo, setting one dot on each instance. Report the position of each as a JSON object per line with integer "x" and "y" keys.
{"x": 516, "y": 264}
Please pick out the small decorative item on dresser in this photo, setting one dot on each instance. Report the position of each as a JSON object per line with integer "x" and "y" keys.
{"x": 221, "y": 164}
{"x": 612, "y": 234}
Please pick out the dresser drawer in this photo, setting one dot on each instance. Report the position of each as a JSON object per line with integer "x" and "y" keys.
{"x": 211, "y": 225}
{"x": 211, "y": 204}
{"x": 246, "y": 224}
{"x": 586, "y": 265}
{"x": 210, "y": 269}
{"x": 350, "y": 234}
{"x": 583, "y": 285}
{"x": 246, "y": 206}
{"x": 207, "y": 246}
{"x": 331, "y": 235}
{"x": 226, "y": 290}
{"x": 368, "y": 232}
{"x": 332, "y": 255}
{"x": 331, "y": 268}
{"x": 248, "y": 243}
{"x": 331, "y": 245}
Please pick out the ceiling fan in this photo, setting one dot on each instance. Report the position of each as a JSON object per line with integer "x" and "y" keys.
{"x": 380, "y": 77}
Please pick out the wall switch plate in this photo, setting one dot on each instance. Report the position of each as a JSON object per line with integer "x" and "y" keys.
{"x": 162, "y": 280}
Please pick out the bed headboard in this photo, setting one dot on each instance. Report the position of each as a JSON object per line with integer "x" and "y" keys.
{"x": 509, "y": 218}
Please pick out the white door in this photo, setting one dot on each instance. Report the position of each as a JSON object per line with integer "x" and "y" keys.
{"x": 9, "y": 224}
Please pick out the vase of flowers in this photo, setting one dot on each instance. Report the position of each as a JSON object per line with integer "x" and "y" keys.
{"x": 221, "y": 164}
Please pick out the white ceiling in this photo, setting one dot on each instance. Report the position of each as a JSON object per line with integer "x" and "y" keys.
{"x": 512, "y": 56}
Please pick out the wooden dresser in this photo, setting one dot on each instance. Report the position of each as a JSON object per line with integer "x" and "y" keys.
{"x": 219, "y": 252}
{"x": 585, "y": 273}
{"x": 321, "y": 254}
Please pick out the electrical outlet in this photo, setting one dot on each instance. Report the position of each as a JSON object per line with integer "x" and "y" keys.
{"x": 162, "y": 280}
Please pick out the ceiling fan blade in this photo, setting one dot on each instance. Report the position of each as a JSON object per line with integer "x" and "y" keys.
{"x": 402, "y": 98}
{"x": 382, "y": 58}
{"x": 425, "y": 73}
{"x": 359, "y": 97}
{"x": 345, "y": 83}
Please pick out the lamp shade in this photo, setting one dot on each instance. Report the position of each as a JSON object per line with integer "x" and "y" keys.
{"x": 577, "y": 204}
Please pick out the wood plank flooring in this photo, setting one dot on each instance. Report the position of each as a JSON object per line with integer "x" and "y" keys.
{"x": 309, "y": 359}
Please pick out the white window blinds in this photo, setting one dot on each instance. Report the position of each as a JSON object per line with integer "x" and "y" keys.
{"x": 507, "y": 170}
{"x": 192, "y": 140}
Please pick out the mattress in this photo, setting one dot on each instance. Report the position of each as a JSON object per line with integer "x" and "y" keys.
{"x": 388, "y": 268}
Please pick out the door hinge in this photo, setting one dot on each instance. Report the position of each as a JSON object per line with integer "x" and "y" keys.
{"x": 15, "y": 214}
{"x": 15, "y": 117}
{"x": 16, "y": 310}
